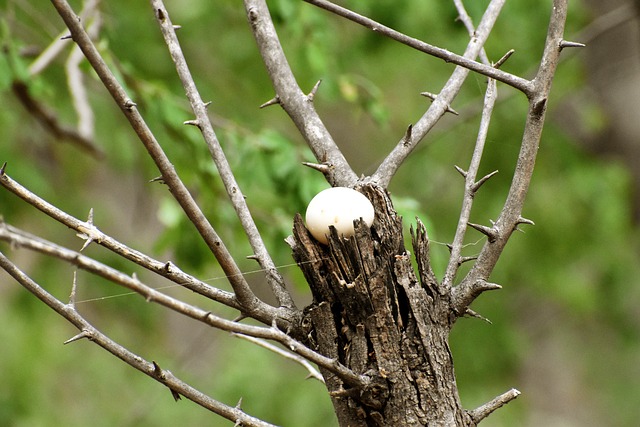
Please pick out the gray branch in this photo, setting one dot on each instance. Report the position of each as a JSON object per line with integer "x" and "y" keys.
{"x": 297, "y": 104}
{"x": 238, "y": 201}
{"x": 511, "y": 215}
{"x": 170, "y": 177}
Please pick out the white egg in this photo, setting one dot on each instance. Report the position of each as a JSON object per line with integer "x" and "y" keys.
{"x": 337, "y": 206}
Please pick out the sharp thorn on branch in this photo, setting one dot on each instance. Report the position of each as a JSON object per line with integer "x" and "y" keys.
{"x": 461, "y": 171}
{"x": 485, "y": 410}
{"x": 407, "y": 136}
{"x": 66, "y": 37}
{"x": 490, "y": 232}
{"x": 473, "y": 313}
{"x": 313, "y": 92}
{"x": 433, "y": 97}
{"x": 272, "y": 101}
{"x": 158, "y": 179}
{"x": 83, "y": 334}
{"x": 176, "y": 27}
{"x": 3, "y": 169}
{"x": 527, "y": 221}
{"x": 504, "y": 58}
{"x": 565, "y": 43}
{"x": 476, "y": 186}
{"x": 253, "y": 257}
{"x": 175, "y": 394}
{"x": 322, "y": 167}
{"x": 239, "y": 404}
{"x": 195, "y": 123}
{"x": 157, "y": 371}
{"x": 467, "y": 259}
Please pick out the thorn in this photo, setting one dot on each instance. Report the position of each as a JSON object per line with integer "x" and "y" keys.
{"x": 66, "y": 37}
{"x": 176, "y": 27}
{"x": 239, "y": 404}
{"x": 87, "y": 239}
{"x": 206, "y": 316}
{"x": 565, "y": 43}
{"x": 175, "y": 394}
{"x": 433, "y": 97}
{"x": 406, "y": 139}
{"x": 195, "y": 123}
{"x": 472, "y": 313}
{"x": 467, "y": 259}
{"x": 206, "y": 104}
{"x": 313, "y": 92}
{"x": 461, "y": 171}
{"x": 3, "y": 169}
{"x": 83, "y": 334}
{"x": 490, "y": 232}
{"x": 504, "y": 58}
{"x": 482, "y": 180}
{"x": 158, "y": 179}
{"x": 487, "y": 286}
{"x": 253, "y": 257}
{"x": 322, "y": 167}
{"x": 157, "y": 371}
{"x": 272, "y": 101}
{"x": 522, "y": 220}
{"x": 167, "y": 266}
{"x": 129, "y": 105}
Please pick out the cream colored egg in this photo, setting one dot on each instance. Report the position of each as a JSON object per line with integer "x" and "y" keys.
{"x": 337, "y": 206}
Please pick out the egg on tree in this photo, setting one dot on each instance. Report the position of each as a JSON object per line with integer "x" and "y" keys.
{"x": 338, "y": 207}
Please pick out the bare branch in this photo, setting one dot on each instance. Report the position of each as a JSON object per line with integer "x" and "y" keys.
{"x": 392, "y": 162}
{"x": 169, "y": 175}
{"x": 470, "y": 186}
{"x": 149, "y": 368}
{"x": 264, "y": 312}
{"x": 510, "y": 216}
{"x": 485, "y": 410}
{"x": 465, "y": 61}
{"x": 297, "y": 104}
{"x": 274, "y": 279}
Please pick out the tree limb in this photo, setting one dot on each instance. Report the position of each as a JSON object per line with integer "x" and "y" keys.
{"x": 510, "y": 216}
{"x": 471, "y": 186}
{"x": 274, "y": 279}
{"x": 151, "y": 369}
{"x": 298, "y": 105}
{"x": 392, "y": 162}
{"x": 170, "y": 177}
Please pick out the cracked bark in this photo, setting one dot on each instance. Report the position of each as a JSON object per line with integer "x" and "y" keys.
{"x": 371, "y": 313}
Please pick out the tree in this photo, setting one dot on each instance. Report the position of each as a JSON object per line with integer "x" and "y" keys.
{"x": 378, "y": 332}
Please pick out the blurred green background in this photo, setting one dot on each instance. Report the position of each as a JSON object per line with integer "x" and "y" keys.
{"x": 566, "y": 326}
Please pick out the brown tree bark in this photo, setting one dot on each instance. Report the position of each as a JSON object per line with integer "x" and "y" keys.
{"x": 374, "y": 315}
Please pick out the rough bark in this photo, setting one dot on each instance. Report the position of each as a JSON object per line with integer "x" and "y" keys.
{"x": 371, "y": 313}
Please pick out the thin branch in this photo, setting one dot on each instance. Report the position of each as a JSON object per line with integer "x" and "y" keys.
{"x": 471, "y": 186}
{"x": 292, "y": 99}
{"x": 464, "y": 61}
{"x": 392, "y": 162}
{"x": 151, "y": 369}
{"x": 274, "y": 279}
{"x": 468, "y": 23}
{"x": 485, "y": 410}
{"x": 170, "y": 177}
{"x": 269, "y": 333}
{"x": 511, "y": 214}
{"x": 313, "y": 372}
{"x": 264, "y": 313}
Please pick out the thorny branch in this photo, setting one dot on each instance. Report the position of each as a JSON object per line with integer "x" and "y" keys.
{"x": 331, "y": 163}
{"x": 289, "y": 95}
{"x": 243, "y": 292}
{"x": 178, "y": 387}
{"x": 203, "y": 123}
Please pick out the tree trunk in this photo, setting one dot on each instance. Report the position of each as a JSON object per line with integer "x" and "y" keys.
{"x": 371, "y": 313}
